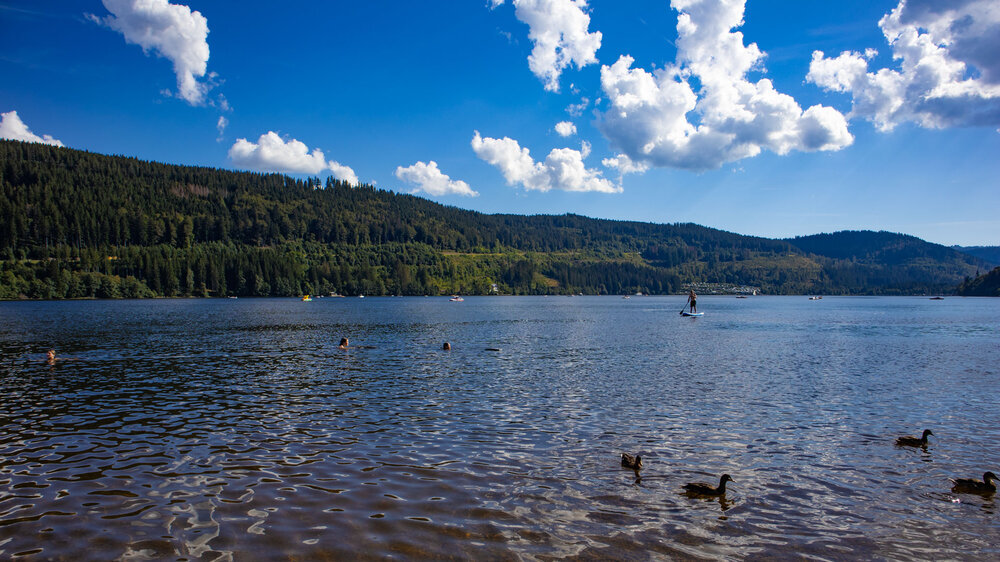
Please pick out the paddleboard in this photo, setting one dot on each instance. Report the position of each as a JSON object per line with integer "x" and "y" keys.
{"x": 692, "y": 314}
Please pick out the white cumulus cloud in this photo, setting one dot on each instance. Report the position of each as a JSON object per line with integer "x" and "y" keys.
{"x": 429, "y": 178}
{"x": 11, "y": 127}
{"x": 172, "y": 31}
{"x": 949, "y": 67}
{"x": 649, "y": 118}
{"x": 271, "y": 153}
{"x": 558, "y": 30}
{"x": 342, "y": 172}
{"x": 562, "y": 169}
{"x": 565, "y": 128}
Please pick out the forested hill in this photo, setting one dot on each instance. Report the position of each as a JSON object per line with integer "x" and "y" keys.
{"x": 986, "y": 285}
{"x": 77, "y": 224}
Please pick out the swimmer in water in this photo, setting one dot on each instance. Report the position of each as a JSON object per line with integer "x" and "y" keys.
{"x": 51, "y": 357}
{"x": 343, "y": 343}
{"x": 446, "y": 346}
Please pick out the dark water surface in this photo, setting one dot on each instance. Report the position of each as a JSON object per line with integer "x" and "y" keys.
{"x": 235, "y": 429}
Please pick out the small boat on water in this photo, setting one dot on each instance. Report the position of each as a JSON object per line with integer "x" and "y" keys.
{"x": 815, "y": 298}
{"x": 456, "y": 298}
{"x": 306, "y": 298}
{"x": 937, "y": 298}
{"x": 627, "y": 297}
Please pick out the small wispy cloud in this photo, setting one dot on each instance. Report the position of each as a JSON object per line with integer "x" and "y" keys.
{"x": 221, "y": 125}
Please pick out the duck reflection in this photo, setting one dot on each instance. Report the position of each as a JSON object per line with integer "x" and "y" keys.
{"x": 724, "y": 502}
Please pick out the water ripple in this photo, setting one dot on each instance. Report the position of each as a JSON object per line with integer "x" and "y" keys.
{"x": 218, "y": 430}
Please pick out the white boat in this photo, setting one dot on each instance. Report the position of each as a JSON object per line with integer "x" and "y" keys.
{"x": 456, "y": 298}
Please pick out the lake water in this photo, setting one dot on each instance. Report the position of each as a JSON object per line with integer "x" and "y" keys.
{"x": 236, "y": 429}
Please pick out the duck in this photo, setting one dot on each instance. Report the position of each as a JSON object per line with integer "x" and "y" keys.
{"x": 697, "y": 488}
{"x": 972, "y": 486}
{"x": 910, "y": 441}
{"x": 633, "y": 462}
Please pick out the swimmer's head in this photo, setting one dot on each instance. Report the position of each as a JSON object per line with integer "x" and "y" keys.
{"x": 446, "y": 346}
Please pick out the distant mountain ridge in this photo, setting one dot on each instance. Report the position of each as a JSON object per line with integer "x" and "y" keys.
{"x": 79, "y": 224}
{"x": 988, "y": 253}
{"x": 869, "y": 246}
{"x": 881, "y": 258}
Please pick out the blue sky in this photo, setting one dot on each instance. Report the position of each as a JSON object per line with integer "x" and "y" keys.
{"x": 761, "y": 117}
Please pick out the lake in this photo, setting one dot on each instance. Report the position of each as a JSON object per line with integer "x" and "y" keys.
{"x": 236, "y": 429}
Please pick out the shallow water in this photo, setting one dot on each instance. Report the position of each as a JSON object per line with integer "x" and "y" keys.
{"x": 235, "y": 428}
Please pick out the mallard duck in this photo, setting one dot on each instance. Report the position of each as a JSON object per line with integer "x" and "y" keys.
{"x": 706, "y": 490}
{"x": 910, "y": 441}
{"x": 971, "y": 486}
{"x": 633, "y": 462}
